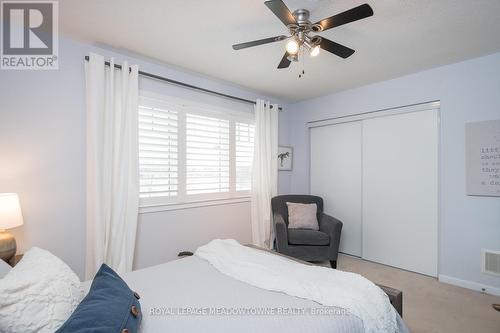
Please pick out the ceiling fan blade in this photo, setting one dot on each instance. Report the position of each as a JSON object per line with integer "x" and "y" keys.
{"x": 284, "y": 63}
{"x": 351, "y": 15}
{"x": 335, "y": 48}
{"x": 258, "y": 42}
{"x": 279, "y": 9}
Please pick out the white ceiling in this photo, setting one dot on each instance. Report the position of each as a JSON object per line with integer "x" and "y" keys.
{"x": 403, "y": 36}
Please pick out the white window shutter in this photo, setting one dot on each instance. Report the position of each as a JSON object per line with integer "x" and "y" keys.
{"x": 207, "y": 154}
{"x": 188, "y": 153}
{"x": 158, "y": 152}
{"x": 244, "y": 133}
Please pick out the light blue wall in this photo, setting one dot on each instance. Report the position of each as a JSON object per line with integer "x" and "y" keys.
{"x": 468, "y": 91}
{"x": 42, "y": 157}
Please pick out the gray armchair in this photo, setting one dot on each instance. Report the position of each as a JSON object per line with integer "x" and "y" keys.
{"x": 308, "y": 245}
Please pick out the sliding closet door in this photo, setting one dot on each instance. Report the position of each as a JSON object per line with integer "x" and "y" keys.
{"x": 400, "y": 188}
{"x": 336, "y": 177}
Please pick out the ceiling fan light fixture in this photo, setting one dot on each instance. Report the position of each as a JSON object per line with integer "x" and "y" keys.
{"x": 314, "y": 51}
{"x": 300, "y": 30}
{"x": 293, "y": 57}
{"x": 292, "y": 46}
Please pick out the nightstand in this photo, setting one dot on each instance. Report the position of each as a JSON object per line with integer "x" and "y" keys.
{"x": 17, "y": 258}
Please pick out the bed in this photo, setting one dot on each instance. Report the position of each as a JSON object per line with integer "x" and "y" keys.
{"x": 224, "y": 287}
{"x": 178, "y": 296}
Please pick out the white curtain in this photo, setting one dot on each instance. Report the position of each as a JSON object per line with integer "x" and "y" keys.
{"x": 264, "y": 172}
{"x": 112, "y": 165}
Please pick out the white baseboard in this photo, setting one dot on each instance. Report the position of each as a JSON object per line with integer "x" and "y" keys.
{"x": 470, "y": 285}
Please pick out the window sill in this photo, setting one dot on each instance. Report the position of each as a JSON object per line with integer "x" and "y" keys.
{"x": 146, "y": 209}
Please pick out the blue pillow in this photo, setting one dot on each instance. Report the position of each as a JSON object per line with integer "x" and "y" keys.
{"x": 110, "y": 306}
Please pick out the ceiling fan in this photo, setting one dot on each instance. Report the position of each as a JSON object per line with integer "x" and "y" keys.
{"x": 301, "y": 30}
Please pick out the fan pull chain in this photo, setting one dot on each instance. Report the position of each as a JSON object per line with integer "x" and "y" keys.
{"x": 302, "y": 60}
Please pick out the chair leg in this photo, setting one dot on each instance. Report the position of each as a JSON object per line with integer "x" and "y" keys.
{"x": 333, "y": 263}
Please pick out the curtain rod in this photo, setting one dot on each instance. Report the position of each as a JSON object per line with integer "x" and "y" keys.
{"x": 187, "y": 85}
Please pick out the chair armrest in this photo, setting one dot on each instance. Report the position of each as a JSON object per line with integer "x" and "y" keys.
{"x": 281, "y": 231}
{"x": 333, "y": 228}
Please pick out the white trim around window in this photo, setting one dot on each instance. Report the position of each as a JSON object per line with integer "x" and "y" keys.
{"x": 146, "y": 209}
{"x": 192, "y": 154}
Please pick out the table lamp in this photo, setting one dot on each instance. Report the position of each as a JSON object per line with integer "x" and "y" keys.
{"x": 10, "y": 217}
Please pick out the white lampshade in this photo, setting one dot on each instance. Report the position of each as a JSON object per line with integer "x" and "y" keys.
{"x": 10, "y": 211}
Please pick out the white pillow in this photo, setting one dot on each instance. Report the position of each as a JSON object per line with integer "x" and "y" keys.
{"x": 38, "y": 294}
{"x": 302, "y": 216}
{"x": 4, "y": 268}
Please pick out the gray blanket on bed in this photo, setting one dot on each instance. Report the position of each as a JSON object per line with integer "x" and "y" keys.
{"x": 189, "y": 295}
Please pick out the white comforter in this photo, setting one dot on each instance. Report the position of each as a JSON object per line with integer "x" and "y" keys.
{"x": 327, "y": 286}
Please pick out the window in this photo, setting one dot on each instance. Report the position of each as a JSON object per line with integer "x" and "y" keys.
{"x": 244, "y": 155}
{"x": 158, "y": 152}
{"x": 207, "y": 155}
{"x": 192, "y": 153}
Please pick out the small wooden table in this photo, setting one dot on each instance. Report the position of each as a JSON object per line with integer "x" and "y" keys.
{"x": 395, "y": 297}
{"x": 15, "y": 259}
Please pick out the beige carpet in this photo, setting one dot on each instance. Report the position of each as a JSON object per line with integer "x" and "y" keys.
{"x": 430, "y": 306}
